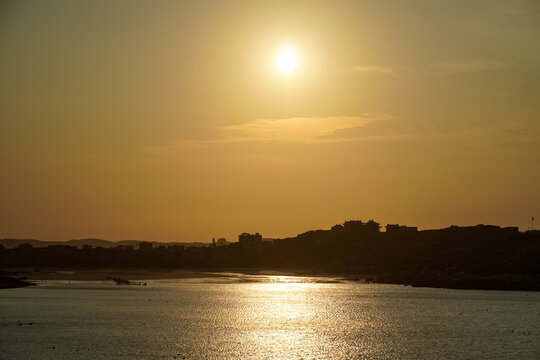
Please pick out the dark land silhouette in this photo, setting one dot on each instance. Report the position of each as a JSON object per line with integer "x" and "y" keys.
{"x": 79, "y": 243}
{"x": 472, "y": 257}
{"x": 8, "y": 282}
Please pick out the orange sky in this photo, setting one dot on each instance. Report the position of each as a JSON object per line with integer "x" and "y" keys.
{"x": 169, "y": 121}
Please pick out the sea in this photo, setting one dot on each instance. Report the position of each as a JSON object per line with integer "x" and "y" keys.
{"x": 265, "y": 317}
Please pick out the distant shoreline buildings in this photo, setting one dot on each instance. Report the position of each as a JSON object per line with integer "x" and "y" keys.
{"x": 481, "y": 256}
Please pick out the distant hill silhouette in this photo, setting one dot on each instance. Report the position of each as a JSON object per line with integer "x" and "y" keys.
{"x": 79, "y": 243}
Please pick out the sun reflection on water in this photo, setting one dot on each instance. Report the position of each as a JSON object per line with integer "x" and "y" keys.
{"x": 273, "y": 318}
{"x": 282, "y": 317}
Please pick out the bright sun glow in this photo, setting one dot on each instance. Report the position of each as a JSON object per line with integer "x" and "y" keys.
{"x": 287, "y": 61}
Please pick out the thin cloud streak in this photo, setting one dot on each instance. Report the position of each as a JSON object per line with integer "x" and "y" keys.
{"x": 449, "y": 67}
{"x": 468, "y": 66}
{"x": 297, "y": 129}
{"x": 306, "y": 130}
{"x": 348, "y": 129}
{"x": 373, "y": 69}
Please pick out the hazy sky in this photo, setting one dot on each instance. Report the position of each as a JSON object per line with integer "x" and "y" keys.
{"x": 168, "y": 120}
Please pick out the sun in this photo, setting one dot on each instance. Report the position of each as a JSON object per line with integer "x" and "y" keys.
{"x": 287, "y": 60}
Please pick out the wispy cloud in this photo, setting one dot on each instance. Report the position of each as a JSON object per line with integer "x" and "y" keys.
{"x": 450, "y": 67}
{"x": 306, "y": 129}
{"x": 468, "y": 66}
{"x": 354, "y": 129}
{"x": 297, "y": 129}
{"x": 373, "y": 69}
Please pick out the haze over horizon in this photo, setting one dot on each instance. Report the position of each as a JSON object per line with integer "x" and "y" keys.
{"x": 183, "y": 121}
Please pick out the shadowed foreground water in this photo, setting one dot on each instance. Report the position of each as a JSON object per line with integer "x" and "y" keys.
{"x": 273, "y": 319}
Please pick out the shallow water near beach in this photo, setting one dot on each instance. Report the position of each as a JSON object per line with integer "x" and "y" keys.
{"x": 266, "y": 318}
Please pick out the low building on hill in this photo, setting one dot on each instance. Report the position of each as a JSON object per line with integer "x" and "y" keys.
{"x": 222, "y": 252}
{"x": 221, "y": 242}
{"x": 197, "y": 253}
{"x": 396, "y": 228}
{"x": 145, "y": 245}
{"x": 511, "y": 229}
{"x": 178, "y": 251}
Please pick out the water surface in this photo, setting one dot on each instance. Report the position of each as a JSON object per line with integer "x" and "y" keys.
{"x": 274, "y": 318}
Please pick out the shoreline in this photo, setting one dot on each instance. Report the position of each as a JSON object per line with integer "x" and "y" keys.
{"x": 222, "y": 275}
{"x": 492, "y": 282}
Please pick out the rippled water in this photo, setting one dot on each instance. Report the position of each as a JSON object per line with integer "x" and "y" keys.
{"x": 266, "y": 320}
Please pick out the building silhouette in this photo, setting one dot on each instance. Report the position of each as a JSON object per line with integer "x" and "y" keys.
{"x": 396, "y": 228}
{"x": 251, "y": 245}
